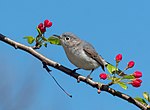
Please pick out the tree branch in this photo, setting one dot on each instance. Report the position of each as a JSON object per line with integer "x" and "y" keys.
{"x": 71, "y": 73}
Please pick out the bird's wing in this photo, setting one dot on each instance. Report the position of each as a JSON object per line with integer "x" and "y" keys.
{"x": 90, "y": 51}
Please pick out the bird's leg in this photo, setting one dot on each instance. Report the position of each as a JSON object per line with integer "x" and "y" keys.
{"x": 76, "y": 69}
{"x": 88, "y": 77}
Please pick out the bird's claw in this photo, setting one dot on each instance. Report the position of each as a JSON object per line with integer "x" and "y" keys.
{"x": 88, "y": 77}
{"x": 75, "y": 70}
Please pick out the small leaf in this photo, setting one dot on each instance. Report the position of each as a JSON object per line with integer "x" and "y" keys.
{"x": 30, "y": 39}
{"x": 111, "y": 69}
{"x": 146, "y": 96}
{"x": 141, "y": 100}
{"x": 116, "y": 80}
{"x": 54, "y": 40}
{"x": 110, "y": 78}
{"x": 123, "y": 85}
{"x": 128, "y": 77}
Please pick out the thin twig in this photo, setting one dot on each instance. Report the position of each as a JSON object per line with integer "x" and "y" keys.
{"x": 49, "y": 71}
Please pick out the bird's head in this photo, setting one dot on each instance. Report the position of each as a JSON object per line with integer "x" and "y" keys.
{"x": 68, "y": 39}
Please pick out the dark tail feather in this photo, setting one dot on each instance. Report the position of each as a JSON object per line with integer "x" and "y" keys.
{"x": 103, "y": 67}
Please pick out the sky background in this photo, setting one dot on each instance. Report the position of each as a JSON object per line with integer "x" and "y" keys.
{"x": 112, "y": 26}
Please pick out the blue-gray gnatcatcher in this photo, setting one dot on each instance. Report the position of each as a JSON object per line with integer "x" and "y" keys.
{"x": 81, "y": 53}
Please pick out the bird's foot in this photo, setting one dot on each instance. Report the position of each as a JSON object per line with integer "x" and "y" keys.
{"x": 75, "y": 70}
{"x": 88, "y": 77}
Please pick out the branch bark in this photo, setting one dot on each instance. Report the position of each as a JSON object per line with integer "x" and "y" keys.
{"x": 71, "y": 73}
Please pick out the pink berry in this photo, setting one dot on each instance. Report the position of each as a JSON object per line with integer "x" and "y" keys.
{"x": 47, "y": 23}
{"x": 136, "y": 82}
{"x": 137, "y": 74}
{"x": 103, "y": 76}
{"x": 131, "y": 64}
{"x": 118, "y": 58}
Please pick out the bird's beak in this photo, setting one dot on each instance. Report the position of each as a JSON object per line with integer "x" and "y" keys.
{"x": 57, "y": 36}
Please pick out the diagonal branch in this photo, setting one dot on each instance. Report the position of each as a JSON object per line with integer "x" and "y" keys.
{"x": 71, "y": 73}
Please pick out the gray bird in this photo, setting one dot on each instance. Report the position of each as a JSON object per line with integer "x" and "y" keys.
{"x": 81, "y": 53}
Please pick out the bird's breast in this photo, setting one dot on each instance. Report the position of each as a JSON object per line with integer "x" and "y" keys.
{"x": 78, "y": 57}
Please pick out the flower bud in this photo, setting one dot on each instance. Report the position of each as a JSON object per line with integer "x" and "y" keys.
{"x": 103, "y": 76}
{"x": 131, "y": 64}
{"x": 118, "y": 58}
{"x": 139, "y": 80}
{"x": 41, "y": 27}
{"x": 136, "y": 82}
{"x": 137, "y": 74}
{"x": 47, "y": 23}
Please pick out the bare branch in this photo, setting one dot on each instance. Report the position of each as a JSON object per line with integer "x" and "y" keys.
{"x": 71, "y": 73}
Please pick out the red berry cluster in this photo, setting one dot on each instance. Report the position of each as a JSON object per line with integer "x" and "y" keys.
{"x": 42, "y": 26}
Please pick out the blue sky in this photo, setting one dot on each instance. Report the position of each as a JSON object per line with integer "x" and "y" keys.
{"x": 112, "y": 26}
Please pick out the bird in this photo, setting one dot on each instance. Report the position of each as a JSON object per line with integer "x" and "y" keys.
{"x": 81, "y": 53}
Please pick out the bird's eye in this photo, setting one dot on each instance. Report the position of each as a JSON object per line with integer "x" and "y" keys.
{"x": 67, "y": 38}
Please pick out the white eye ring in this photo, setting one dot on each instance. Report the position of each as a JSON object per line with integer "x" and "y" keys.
{"x": 67, "y": 38}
